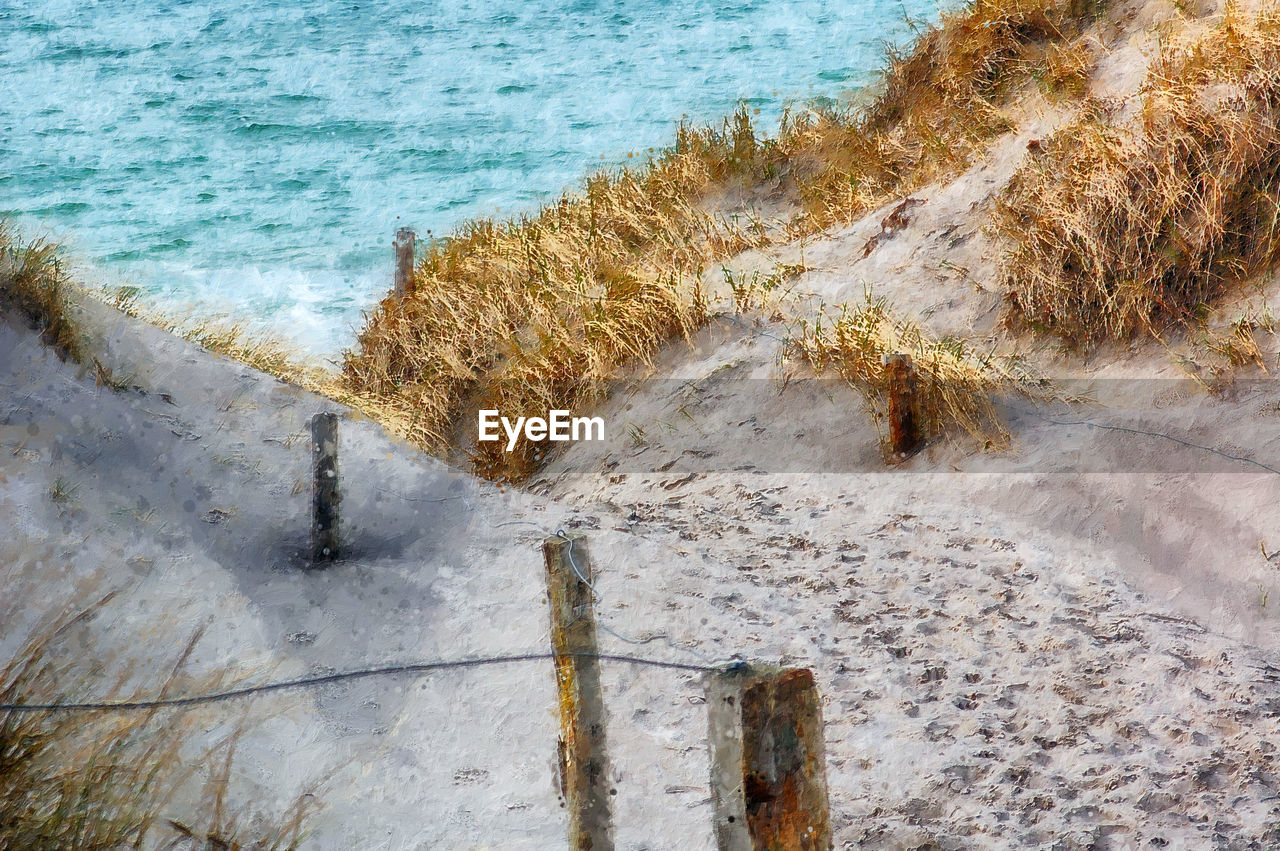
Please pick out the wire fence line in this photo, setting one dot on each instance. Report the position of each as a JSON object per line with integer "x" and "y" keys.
{"x": 345, "y": 676}
{"x": 1144, "y": 432}
{"x": 416, "y": 668}
{"x": 419, "y": 668}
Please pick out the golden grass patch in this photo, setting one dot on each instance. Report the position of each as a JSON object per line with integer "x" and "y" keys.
{"x": 105, "y": 780}
{"x": 1239, "y": 346}
{"x": 529, "y": 315}
{"x": 940, "y": 105}
{"x": 1118, "y": 225}
{"x": 956, "y": 385}
{"x": 32, "y": 282}
{"x": 234, "y": 339}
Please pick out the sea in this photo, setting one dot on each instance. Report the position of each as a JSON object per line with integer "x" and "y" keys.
{"x": 254, "y": 159}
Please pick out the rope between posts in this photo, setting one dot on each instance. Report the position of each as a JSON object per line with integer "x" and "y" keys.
{"x": 344, "y": 676}
{"x": 407, "y": 669}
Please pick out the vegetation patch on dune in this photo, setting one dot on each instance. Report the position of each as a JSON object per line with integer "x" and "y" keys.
{"x": 529, "y": 315}
{"x": 234, "y": 339}
{"x": 941, "y": 103}
{"x": 32, "y": 282}
{"x": 1120, "y": 224}
{"x": 955, "y": 385}
{"x": 105, "y": 780}
{"x": 227, "y": 337}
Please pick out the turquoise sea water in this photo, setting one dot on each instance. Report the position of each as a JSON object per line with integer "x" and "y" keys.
{"x": 256, "y": 157}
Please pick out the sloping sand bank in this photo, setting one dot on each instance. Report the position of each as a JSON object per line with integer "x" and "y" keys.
{"x": 989, "y": 678}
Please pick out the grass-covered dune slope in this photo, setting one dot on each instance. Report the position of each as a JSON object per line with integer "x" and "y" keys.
{"x": 1128, "y": 218}
{"x": 534, "y": 313}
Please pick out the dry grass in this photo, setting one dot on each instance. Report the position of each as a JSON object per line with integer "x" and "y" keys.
{"x": 234, "y": 339}
{"x": 1067, "y": 67}
{"x": 529, "y": 315}
{"x": 258, "y": 350}
{"x": 1239, "y": 347}
{"x": 1215, "y": 356}
{"x": 940, "y": 105}
{"x": 33, "y": 283}
{"x": 99, "y": 780}
{"x": 755, "y": 291}
{"x": 534, "y": 314}
{"x": 1120, "y": 226}
{"x": 955, "y": 385}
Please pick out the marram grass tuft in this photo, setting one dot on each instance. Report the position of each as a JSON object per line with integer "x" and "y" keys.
{"x": 106, "y": 780}
{"x": 32, "y": 282}
{"x": 1119, "y": 225}
{"x": 956, "y": 386}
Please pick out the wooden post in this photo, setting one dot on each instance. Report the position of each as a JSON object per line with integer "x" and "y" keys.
{"x": 405, "y": 243}
{"x": 904, "y": 432}
{"x": 584, "y": 768}
{"x": 324, "y": 487}
{"x": 768, "y": 771}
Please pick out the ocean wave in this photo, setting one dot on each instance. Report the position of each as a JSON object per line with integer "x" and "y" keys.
{"x": 284, "y": 145}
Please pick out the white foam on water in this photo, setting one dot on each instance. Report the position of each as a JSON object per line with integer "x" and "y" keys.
{"x": 316, "y": 312}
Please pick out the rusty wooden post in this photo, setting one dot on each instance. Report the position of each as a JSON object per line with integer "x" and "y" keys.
{"x": 324, "y": 487}
{"x": 768, "y": 771}
{"x": 904, "y": 431}
{"x": 405, "y": 243}
{"x": 584, "y": 767}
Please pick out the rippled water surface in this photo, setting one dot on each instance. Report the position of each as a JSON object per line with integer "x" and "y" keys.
{"x": 256, "y": 157}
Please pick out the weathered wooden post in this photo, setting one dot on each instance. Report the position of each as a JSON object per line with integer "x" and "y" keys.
{"x": 768, "y": 770}
{"x": 405, "y": 243}
{"x": 324, "y": 487}
{"x": 900, "y": 377}
{"x": 584, "y": 767}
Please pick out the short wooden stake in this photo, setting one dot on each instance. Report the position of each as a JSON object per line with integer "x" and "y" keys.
{"x": 900, "y": 376}
{"x": 768, "y": 771}
{"x": 324, "y": 487}
{"x": 584, "y": 767}
{"x": 405, "y": 243}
